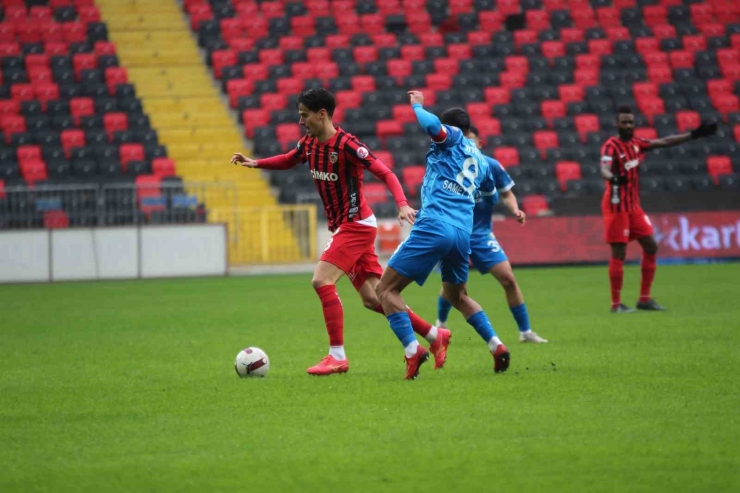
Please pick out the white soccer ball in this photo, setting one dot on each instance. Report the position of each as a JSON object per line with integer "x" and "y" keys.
{"x": 252, "y": 362}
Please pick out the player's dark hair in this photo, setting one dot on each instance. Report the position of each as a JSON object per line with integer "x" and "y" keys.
{"x": 457, "y": 117}
{"x": 624, "y": 109}
{"x": 317, "y": 99}
{"x": 473, "y": 130}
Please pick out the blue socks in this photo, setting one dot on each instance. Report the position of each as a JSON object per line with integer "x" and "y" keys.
{"x": 482, "y": 326}
{"x": 522, "y": 317}
{"x": 401, "y": 326}
{"x": 443, "y": 309}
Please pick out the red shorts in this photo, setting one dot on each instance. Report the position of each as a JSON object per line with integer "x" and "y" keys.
{"x": 623, "y": 227}
{"x": 352, "y": 249}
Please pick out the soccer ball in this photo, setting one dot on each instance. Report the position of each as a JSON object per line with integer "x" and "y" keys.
{"x": 252, "y": 362}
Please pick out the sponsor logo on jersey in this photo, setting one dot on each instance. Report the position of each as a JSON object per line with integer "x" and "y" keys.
{"x": 323, "y": 175}
{"x": 333, "y": 157}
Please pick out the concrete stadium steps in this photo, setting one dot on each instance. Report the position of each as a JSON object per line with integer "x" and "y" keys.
{"x": 155, "y": 44}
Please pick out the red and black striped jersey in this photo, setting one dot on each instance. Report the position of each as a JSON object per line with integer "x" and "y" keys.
{"x": 337, "y": 167}
{"x": 624, "y": 159}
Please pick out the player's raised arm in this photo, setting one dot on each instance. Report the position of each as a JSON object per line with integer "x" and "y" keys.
{"x": 289, "y": 160}
{"x": 705, "y": 129}
{"x": 428, "y": 121}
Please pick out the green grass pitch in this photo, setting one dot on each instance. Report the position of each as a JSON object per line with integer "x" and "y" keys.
{"x": 130, "y": 386}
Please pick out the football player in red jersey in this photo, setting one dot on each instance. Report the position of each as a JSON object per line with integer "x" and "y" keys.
{"x": 624, "y": 219}
{"x": 337, "y": 161}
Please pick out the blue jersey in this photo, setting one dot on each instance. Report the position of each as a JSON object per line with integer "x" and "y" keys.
{"x": 496, "y": 180}
{"x": 454, "y": 172}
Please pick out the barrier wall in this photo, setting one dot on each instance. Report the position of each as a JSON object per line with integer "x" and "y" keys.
{"x": 113, "y": 253}
{"x": 556, "y": 240}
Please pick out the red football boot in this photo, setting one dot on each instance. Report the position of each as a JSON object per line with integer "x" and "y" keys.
{"x": 328, "y": 366}
{"x": 439, "y": 347}
{"x": 501, "y": 359}
{"x": 413, "y": 363}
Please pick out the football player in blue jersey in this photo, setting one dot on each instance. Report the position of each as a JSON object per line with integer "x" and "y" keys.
{"x": 455, "y": 170}
{"x": 486, "y": 254}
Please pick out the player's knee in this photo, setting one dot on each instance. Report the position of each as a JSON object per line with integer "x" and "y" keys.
{"x": 507, "y": 281}
{"x": 651, "y": 248}
{"x": 319, "y": 282}
{"x": 370, "y": 303}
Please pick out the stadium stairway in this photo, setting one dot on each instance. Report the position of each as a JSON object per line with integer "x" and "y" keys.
{"x": 157, "y": 48}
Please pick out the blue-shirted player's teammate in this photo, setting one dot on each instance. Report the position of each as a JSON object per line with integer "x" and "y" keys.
{"x": 486, "y": 254}
{"x": 441, "y": 234}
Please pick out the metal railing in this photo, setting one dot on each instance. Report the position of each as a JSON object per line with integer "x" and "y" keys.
{"x": 269, "y": 234}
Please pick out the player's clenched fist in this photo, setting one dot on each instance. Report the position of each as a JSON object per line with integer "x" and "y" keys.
{"x": 416, "y": 97}
{"x": 239, "y": 158}
{"x": 521, "y": 217}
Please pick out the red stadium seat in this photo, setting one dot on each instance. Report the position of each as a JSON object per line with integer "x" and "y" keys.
{"x": 348, "y": 99}
{"x": 553, "y": 49}
{"x": 600, "y": 47}
{"x": 490, "y": 20}
{"x": 460, "y": 51}
{"x": 586, "y": 77}
{"x": 571, "y": 35}
{"x": 413, "y": 177}
{"x": 404, "y": 113}
{"x": 570, "y": 93}
{"x": 382, "y": 40}
{"x": 647, "y": 133}
{"x": 273, "y": 101}
{"x": 586, "y": 124}
{"x": 512, "y": 80}
{"x": 681, "y": 59}
{"x": 646, "y": 45}
{"x": 535, "y": 205}
{"x": 566, "y": 171}
{"x": 712, "y": 29}
{"x": 365, "y": 54}
{"x": 74, "y": 32}
{"x": 115, "y": 122}
{"x": 348, "y": 23}
{"x": 587, "y": 61}
{"x": 508, "y": 7}
{"x": 399, "y": 68}
{"x": 115, "y": 76}
{"x": 337, "y": 41}
{"x": 644, "y": 89}
{"x": 326, "y": 70}
{"x": 388, "y": 128}
{"x": 695, "y": 42}
{"x": 315, "y": 55}
{"x": 130, "y": 152}
{"x": 386, "y": 157}
{"x": 724, "y": 55}
{"x": 608, "y": 17}
{"x": 104, "y": 48}
{"x": 372, "y": 23}
{"x": 446, "y": 66}
{"x": 654, "y": 14}
{"x": 651, "y": 106}
{"x": 517, "y": 64}
{"x": 731, "y": 72}
{"x": 478, "y": 38}
{"x": 28, "y": 153}
{"x": 478, "y": 111}
{"x": 254, "y": 118}
{"x": 33, "y": 170}
{"x": 255, "y": 27}
{"x": 12, "y": 124}
{"x": 736, "y": 133}
{"x": 272, "y": 56}
{"x": 618, "y": 34}
{"x": 84, "y": 61}
{"x": 290, "y": 86}
{"x": 525, "y": 36}
{"x": 660, "y": 74}
{"x": 256, "y": 71}
{"x": 726, "y": 103}
{"x": 363, "y": 83}
{"x": 37, "y": 60}
{"x": 718, "y": 86}
{"x": 71, "y": 138}
{"x": 288, "y": 134}
{"x": 79, "y": 107}
{"x": 717, "y": 166}
{"x": 583, "y": 17}
{"x": 302, "y": 25}
{"x": 507, "y": 156}
{"x": 687, "y": 120}
{"x": 375, "y": 193}
{"x": 497, "y": 95}
{"x": 237, "y": 88}
{"x": 38, "y": 74}
{"x": 412, "y": 53}
{"x": 487, "y": 127}
{"x": 55, "y": 219}
{"x": 162, "y": 166}
{"x": 22, "y": 92}
{"x": 290, "y": 43}
{"x": 537, "y": 20}
{"x": 545, "y": 139}
{"x": 272, "y": 10}
{"x": 9, "y": 107}
{"x": 439, "y": 82}
{"x": 663, "y": 31}
{"x": 432, "y": 38}
{"x": 460, "y": 6}
{"x": 552, "y": 109}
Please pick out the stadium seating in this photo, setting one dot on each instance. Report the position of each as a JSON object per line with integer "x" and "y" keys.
{"x": 68, "y": 114}
{"x": 544, "y": 97}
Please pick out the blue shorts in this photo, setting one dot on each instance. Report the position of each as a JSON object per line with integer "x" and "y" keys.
{"x": 430, "y": 242}
{"x": 485, "y": 252}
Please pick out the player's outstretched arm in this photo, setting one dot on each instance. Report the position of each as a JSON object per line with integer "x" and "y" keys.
{"x": 705, "y": 129}
{"x": 405, "y": 212}
{"x": 428, "y": 121}
{"x": 512, "y": 205}
{"x": 280, "y": 162}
